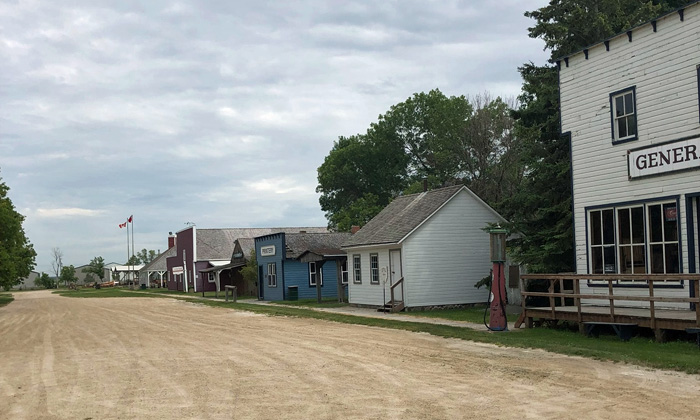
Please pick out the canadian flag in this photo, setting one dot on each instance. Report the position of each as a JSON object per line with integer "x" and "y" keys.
{"x": 130, "y": 219}
{"x": 122, "y": 225}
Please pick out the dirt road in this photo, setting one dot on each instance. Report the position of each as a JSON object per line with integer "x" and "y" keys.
{"x": 158, "y": 358}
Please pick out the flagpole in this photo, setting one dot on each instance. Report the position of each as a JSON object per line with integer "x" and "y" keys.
{"x": 133, "y": 268}
{"x": 127, "y": 246}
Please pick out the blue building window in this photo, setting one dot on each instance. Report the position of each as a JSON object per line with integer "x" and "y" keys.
{"x": 315, "y": 273}
{"x": 272, "y": 274}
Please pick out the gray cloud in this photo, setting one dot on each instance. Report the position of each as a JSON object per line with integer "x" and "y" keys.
{"x": 216, "y": 112}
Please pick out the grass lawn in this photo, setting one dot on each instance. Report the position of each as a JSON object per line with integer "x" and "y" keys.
{"x": 5, "y": 298}
{"x": 474, "y": 314}
{"x": 312, "y": 303}
{"x": 682, "y": 356}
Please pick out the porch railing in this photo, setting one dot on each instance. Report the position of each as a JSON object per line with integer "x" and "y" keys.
{"x": 397, "y": 306}
{"x": 569, "y": 288}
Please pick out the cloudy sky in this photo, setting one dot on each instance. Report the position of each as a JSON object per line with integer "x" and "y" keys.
{"x": 217, "y": 112}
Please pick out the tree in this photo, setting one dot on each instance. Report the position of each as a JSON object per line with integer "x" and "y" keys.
{"x": 541, "y": 208}
{"x": 43, "y": 280}
{"x": 133, "y": 260}
{"x": 57, "y": 262}
{"x": 249, "y": 272}
{"x": 446, "y": 140}
{"x": 17, "y": 254}
{"x": 96, "y": 267}
{"x": 68, "y": 275}
{"x": 146, "y": 256}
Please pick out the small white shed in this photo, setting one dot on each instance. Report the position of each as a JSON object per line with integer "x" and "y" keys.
{"x": 433, "y": 240}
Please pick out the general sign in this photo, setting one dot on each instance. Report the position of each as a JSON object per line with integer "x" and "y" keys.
{"x": 177, "y": 270}
{"x": 667, "y": 157}
{"x": 267, "y": 251}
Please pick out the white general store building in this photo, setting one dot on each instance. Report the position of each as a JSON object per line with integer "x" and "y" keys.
{"x": 631, "y": 107}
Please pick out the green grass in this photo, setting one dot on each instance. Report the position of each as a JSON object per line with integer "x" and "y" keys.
{"x": 678, "y": 355}
{"x": 474, "y": 314}
{"x": 101, "y": 293}
{"x": 5, "y": 299}
{"x": 312, "y": 303}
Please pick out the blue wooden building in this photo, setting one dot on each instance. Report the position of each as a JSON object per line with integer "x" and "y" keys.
{"x": 292, "y": 265}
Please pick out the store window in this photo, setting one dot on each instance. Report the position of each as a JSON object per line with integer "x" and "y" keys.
{"x": 272, "y": 274}
{"x": 635, "y": 239}
{"x": 315, "y": 274}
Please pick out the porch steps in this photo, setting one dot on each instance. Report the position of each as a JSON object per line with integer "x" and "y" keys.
{"x": 391, "y": 306}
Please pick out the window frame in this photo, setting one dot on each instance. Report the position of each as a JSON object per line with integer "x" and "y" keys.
{"x": 357, "y": 268}
{"x": 646, "y": 209}
{"x": 614, "y": 130}
{"x": 212, "y": 278}
{"x": 272, "y": 274}
{"x": 344, "y": 275}
{"x": 374, "y": 270}
{"x": 315, "y": 274}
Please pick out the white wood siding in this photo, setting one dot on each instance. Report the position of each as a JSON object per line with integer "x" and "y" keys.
{"x": 662, "y": 66}
{"x": 448, "y": 254}
{"x": 367, "y": 293}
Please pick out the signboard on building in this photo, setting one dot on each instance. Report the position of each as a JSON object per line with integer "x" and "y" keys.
{"x": 267, "y": 251}
{"x": 178, "y": 270}
{"x": 667, "y": 157}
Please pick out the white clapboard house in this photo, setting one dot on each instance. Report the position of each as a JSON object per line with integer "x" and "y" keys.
{"x": 630, "y": 106}
{"x": 432, "y": 245}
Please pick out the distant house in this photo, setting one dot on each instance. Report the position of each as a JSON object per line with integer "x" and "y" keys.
{"x": 431, "y": 245}
{"x": 201, "y": 249}
{"x": 292, "y": 265}
{"x": 27, "y": 283}
{"x": 230, "y": 273}
{"x": 155, "y": 272}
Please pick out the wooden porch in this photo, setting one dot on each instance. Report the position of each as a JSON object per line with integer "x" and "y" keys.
{"x": 564, "y": 299}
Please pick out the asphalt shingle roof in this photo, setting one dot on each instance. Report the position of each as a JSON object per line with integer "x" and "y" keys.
{"x": 217, "y": 244}
{"x": 401, "y": 216}
{"x": 319, "y": 243}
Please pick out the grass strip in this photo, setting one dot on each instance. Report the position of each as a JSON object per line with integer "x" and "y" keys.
{"x": 5, "y": 299}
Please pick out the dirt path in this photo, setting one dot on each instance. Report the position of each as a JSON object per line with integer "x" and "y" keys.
{"x": 140, "y": 358}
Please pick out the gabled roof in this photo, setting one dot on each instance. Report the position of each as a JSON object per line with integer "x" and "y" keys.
{"x": 159, "y": 263}
{"x": 318, "y": 243}
{"x": 403, "y": 215}
{"x": 217, "y": 244}
{"x": 247, "y": 245}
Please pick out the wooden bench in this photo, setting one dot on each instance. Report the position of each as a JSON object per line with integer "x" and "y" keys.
{"x": 695, "y": 331}
{"x": 234, "y": 292}
{"x": 623, "y": 330}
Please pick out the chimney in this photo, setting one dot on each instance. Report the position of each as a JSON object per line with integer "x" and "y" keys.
{"x": 171, "y": 240}
{"x": 425, "y": 183}
{"x": 354, "y": 229}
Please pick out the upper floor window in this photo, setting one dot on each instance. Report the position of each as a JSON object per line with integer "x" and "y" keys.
{"x": 624, "y": 115}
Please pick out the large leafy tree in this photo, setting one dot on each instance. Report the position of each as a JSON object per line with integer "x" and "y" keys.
{"x": 541, "y": 208}
{"x": 16, "y": 252}
{"x": 446, "y": 140}
{"x": 147, "y": 255}
{"x": 68, "y": 275}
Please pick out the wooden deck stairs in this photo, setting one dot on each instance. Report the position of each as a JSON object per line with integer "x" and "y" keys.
{"x": 396, "y": 301}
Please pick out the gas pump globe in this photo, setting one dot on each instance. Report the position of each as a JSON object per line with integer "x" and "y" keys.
{"x": 498, "y": 244}
{"x": 497, "y": 307}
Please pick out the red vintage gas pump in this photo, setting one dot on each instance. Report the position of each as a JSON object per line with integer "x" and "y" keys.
{"x": 497, "y": 307}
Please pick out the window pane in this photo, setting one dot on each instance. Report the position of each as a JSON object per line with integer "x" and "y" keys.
{"x": 597, "y": 260}
{"x": 631, "y": 125}
{"x": 672, "y": 263}
{"x": 670, "y": 222}
{"x": 623, "y": 220}
{"x": 629, "y": 104}
{"x": 657, "y": 259}
{"x": 608, "y": 227}
{"x": 638, "y": 260}
{"x": 655, "y": 223}
{"x": 638, "y": 225}
{"x": 619, "y": 106}
{"x": 621, "y": 128}
{"x": 626, "y": 260}
{"x": 609, "y": 260}
{"x": 596, "y": 238}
